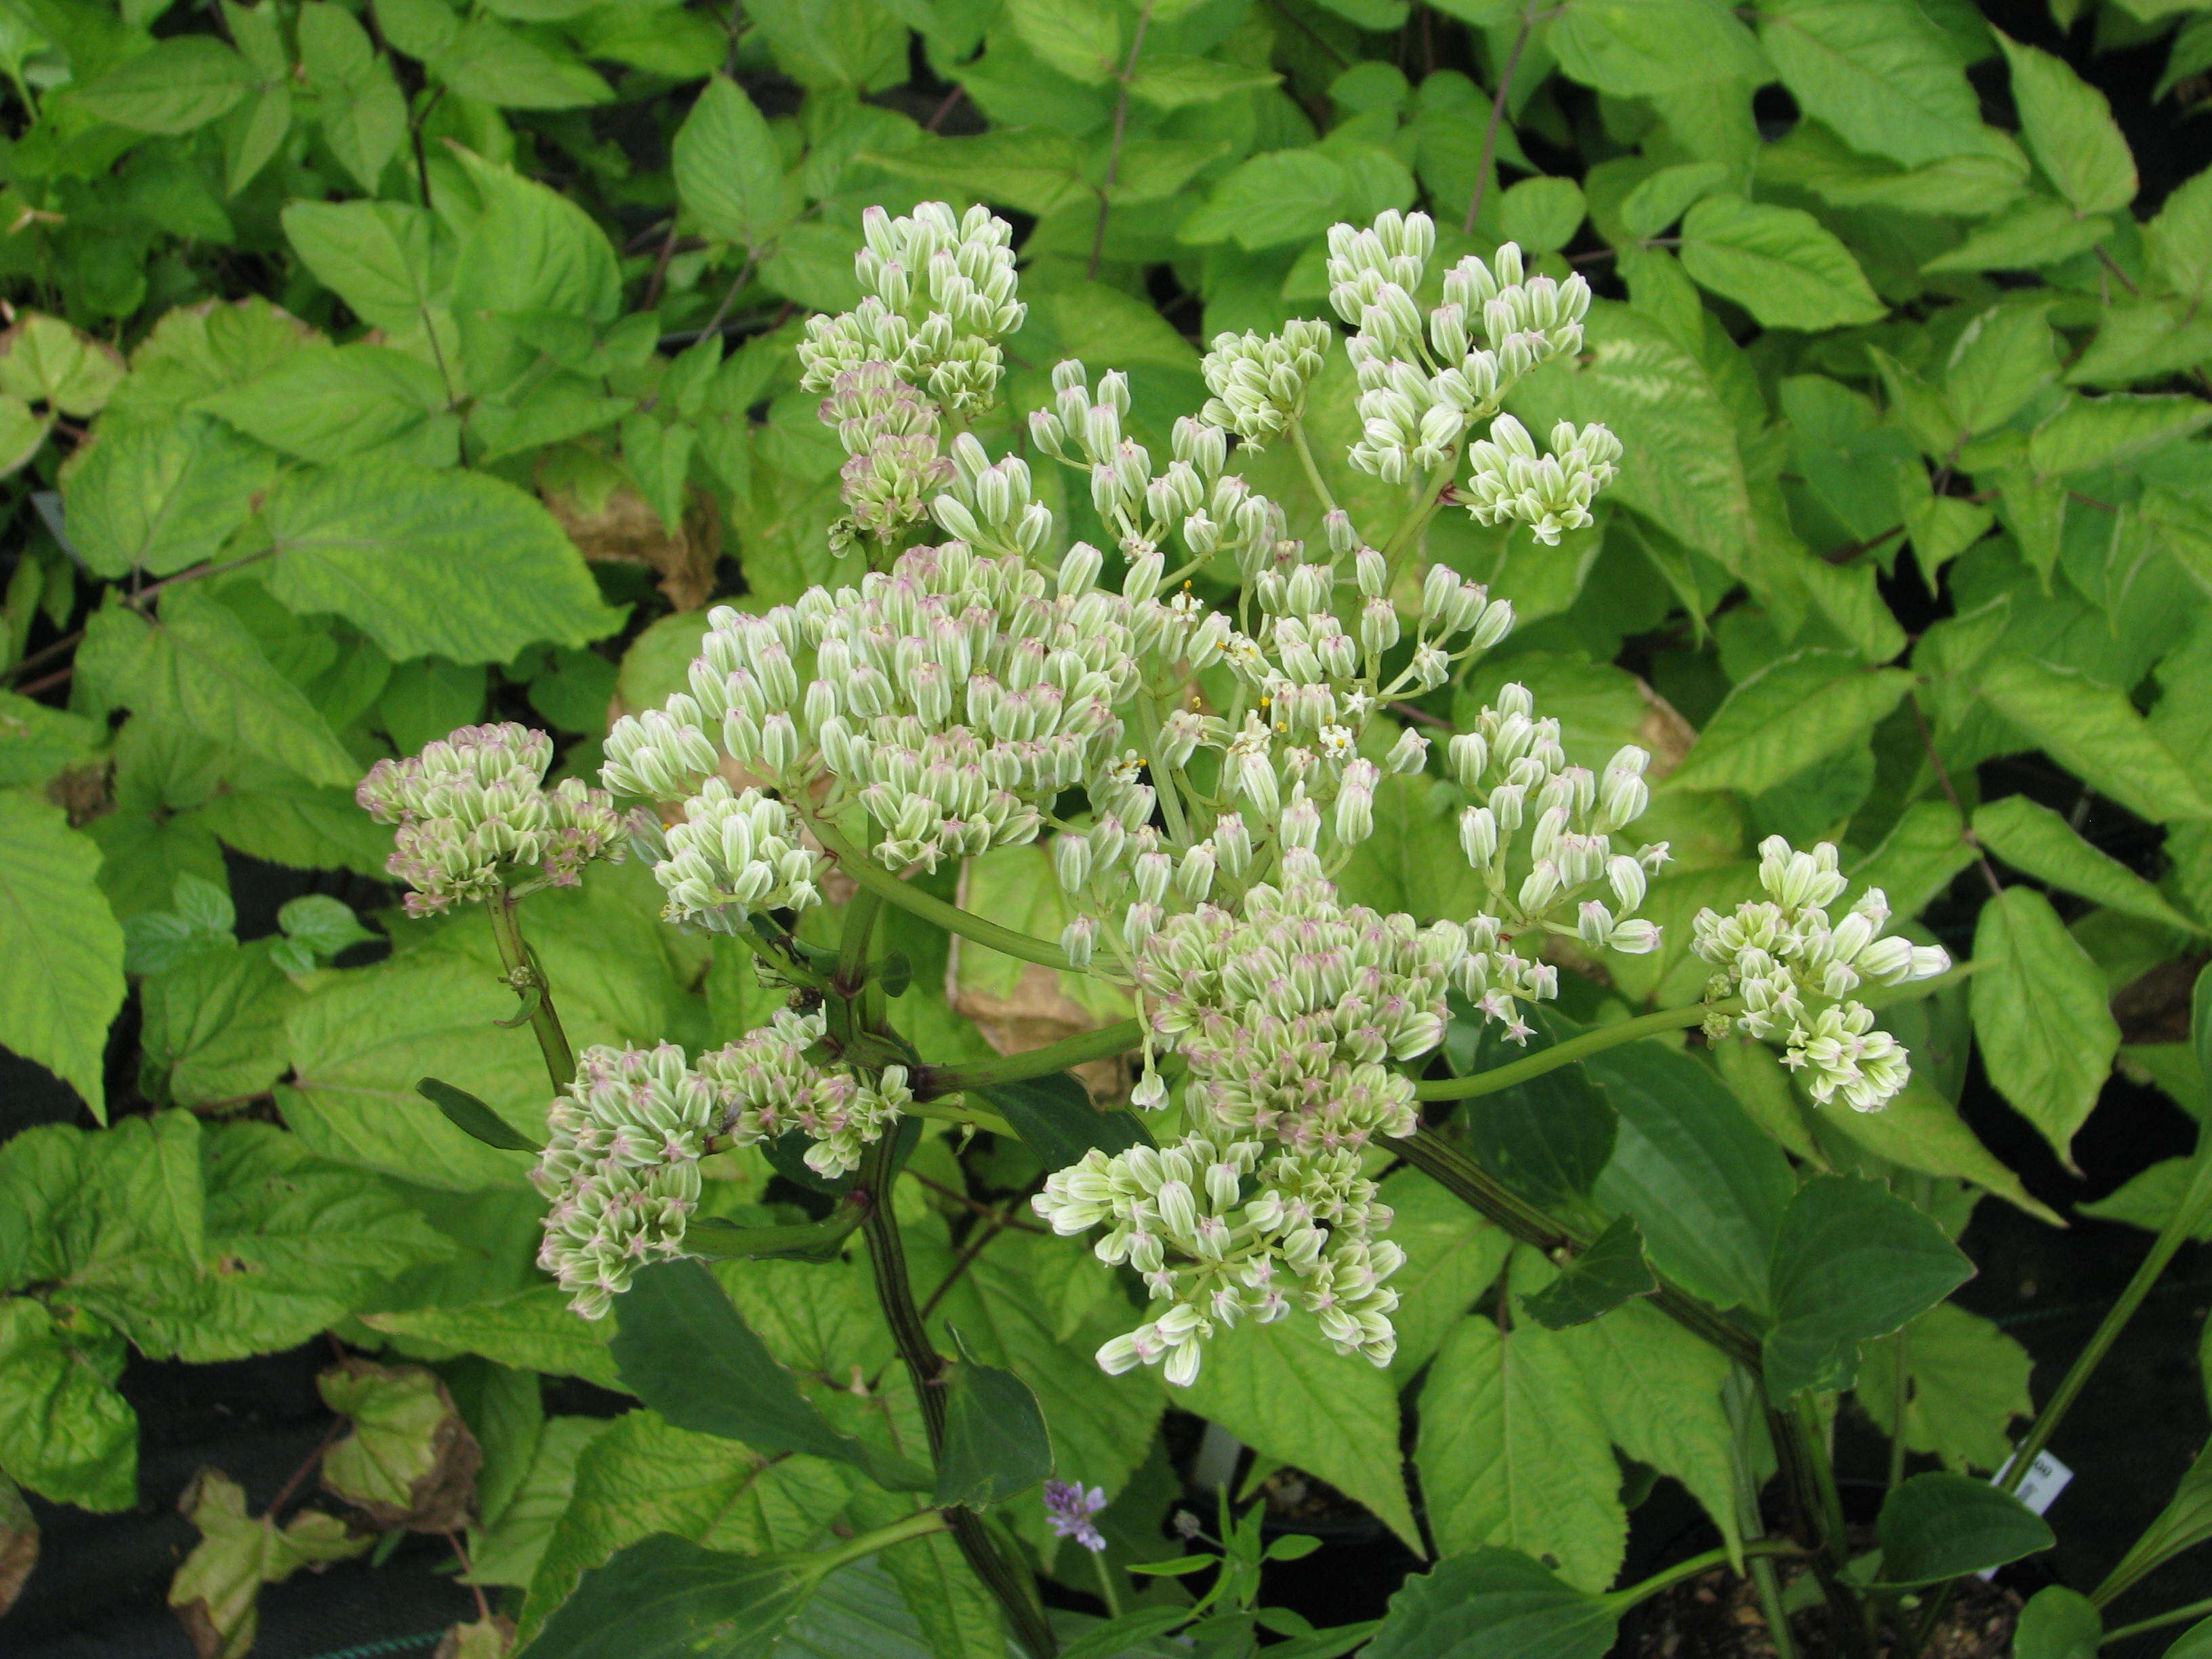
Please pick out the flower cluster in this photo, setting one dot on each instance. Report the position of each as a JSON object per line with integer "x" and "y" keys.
{"x": 1795, "y": 968}
{"x": 1512, "y": 763}
{"x": 1259, "y": 381}
{"x": 1068, "y": 1510}
{"x": 621, "y": 1167}
{"x": 736, "y": 851}
{"x": 889, "y": 431}
{"x": 939, "y": 289}
{"x": 951, "y": 697}
{"x": 473, "y": 806}
{"x": 766, "y": 1086}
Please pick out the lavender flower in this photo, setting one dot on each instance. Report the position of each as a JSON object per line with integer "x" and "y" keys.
{"x": 1068, "y": 1509}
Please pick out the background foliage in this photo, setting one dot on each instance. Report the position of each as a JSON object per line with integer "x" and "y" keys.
{"x": 375, "y": 369}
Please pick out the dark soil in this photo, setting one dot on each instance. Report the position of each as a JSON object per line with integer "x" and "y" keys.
{"x": 1717, "y": 1616}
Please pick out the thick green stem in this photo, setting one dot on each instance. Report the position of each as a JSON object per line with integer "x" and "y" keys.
{"x": 874, "y": 877}
{"x": 1008, "y": 1581}
{"x": 1567, "y": 1053}
{"x": 1319, "y": 485}
{"x": 1666, "y": 1579}
{"x": 1816, "y": 1510}
{"x": 1403, "y": 540}
{"x": 1476, "y": 1187}
{"x": 935, "y": 1081}
{"x": 919, "y": 1524}
{"x": 531, "y": 988}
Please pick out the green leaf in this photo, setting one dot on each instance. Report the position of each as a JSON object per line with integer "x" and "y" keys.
{"x": 1170, "y": 82}
{"x": 1852, "y": 1262}
{"x": 366, "y": 1036}
{"x": 2059, "y": 1623}
{"x": 323, "y": 926}
{"x": 490, "y": 63}
{"x": 1794, "y": 712}
{"x": 406, "y": 1459}
{"x": 1707, "y": 1188}
{"x": 996, "y": 1445}
{"x": 1637, "y": 48}
{"x": 2085, "y": 433}
{"x": 1083, "y": 41}
{"x": 37, "y": 741}
{"x": 1665, "y": 195}
{"x": 728, "y": 169}
{"x": 519, "y": 1518}
{"x": 1657, "y": 1390}
{"x": 2002, "y": 359}
{"x": 2183, "y": 1523}
{"x": 532, "y": 250}
{"x": 216, "y": 1588}
{"x": 2032, "y": 234}
{"x": 159, "y": 496}
{"x": 1610, "y": 1272}
{"x": 327, "y": 405}
{"x": 1966, "y": 1381}
{"x": 1452, "y": 1256}
{"x": 1277, "y": 198}
{"x": 2047, "y": 1033}
{"x": 472, "y": 1117}
{"x": 685, "y": 1351}
{"x": 1493, "y": 1604}
{"x": 532, "y": 1330}
{"x": 1779, "y": 264}
{"x": 1921, "y": 1130}
{"x": 2069, "y": 130}
{"x": 461, "y": 565}
{"x": 1281, "y": 1390}
{"x": 1513, "y": 1453}
{"x": 197, "y": 666}
{"x": 65, "y": 1431}
{"x": 2032, "y": 838}
{"x": 64, "y": 951}
{"x": 386, "y": 260}
{"x": 2093, "y": 730}
{"x": 44, "y": 360}
{"x": 1541, "y": 214}
{"x": 214, "y": 1024}
{"x": 1549, "y": 1137}
{"x": 1944, "y": 1525}
{"x": 1055, "y": 1120}
{"x": 186, "y": 81}
{"x": 666, "y": 1598}
{"x": 1878, "y": 72}
{"x": 642, "y": 1477}
{"x": 2179, "y": 237}
{"x": 1032, "y": 171}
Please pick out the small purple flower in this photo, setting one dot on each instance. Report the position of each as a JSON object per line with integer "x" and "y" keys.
{"x": 1068, "y": 1510}
{"x": 1187, "y": 1523}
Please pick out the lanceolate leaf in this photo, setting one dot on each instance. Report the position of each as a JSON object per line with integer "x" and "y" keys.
{"x": 471, "y": 1115}
{"x": 1878, "y": 72}
{"x": 1778, "y": 264}
{"x": 64, "y": 953}
{"x": 2031, "y": 837}
{"x": 1941, "y": 1525}
{"x": 666, "y": 1598}
{"x": 727, "y": 167}
{"x": 453, "y": 564}
{"x": 2039, "y": 1009}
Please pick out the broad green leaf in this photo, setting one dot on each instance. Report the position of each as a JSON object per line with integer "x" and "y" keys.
{"x": 1549, "y": 1137}
{"x": 1878, "y": 72}
{"x": 2032, "y": 234}
{"x": 824, "y": 43}
{"x": 365, "y": 1037}
{"x": 197, "y": 666}
{"x": 532, "y": 250}
{"x": 2179, "y": 236}
{"x": 1031, "y": 172}
{"x": 494, "y": 64}
{"x": 1281, "y": 1390}
{"x": 996, "y": 1445}
{"x": 533, "y": 1329}
{"x": 2032, "y": 838}
{"x": 1668, "y": 194}
{"x": 406, "y": 1459}
{"x": 2109, "y": 431}
{"x": 37, "y": 741}
{"x": 1082, "y": 40}
{"x": 1852, "y": 1262}
{"x": 1541, "y": 214}
{"x": 685, "y": 1351}
{"x": 2183, "y": 1523}
{"x": 22, "y": 434}
{"x": 1279, "y": 197}
{"x": 1920, "y": 1130}
{"x": 2069, "y": 130}
{"x": 1657, "y": 1390}
{"x": 158, "y": 495}
{"x": 1707, "y": 1188}
{"x": 365, "y": 122}
{"x": 642, "y": 1477}
{"x": 2195, "y": 1642}
{"x": 2151, "y": 1197}
{"x": 1779, "y": 264}
{"x": 2059, "y": 1623}
{"x": 214, "y": 1025}
{"x": 1636, "y": 48}
{"x": 65, "y": 951}
{"x": 1452, "y": 1256}
{"x": 666, "y": 1598}
{"x": 44, "y": 360}
{"x": 1514, "y": 1454}
{"x": 2093, "y": 730}
{"x": 1965, "y": 1381}
{"x": 2047, "y": 1036}
{"x": 1055, "y": 1120}
{"x": 1493, "y": 1604}
{"x": 388, "y": 260}
{"x": 728, "y": 170}
{"x": 216, "y": 1588}
{"x": 327, "y": 405}
{"x": 1944, "y": 1525}
{"x": 65, "y": 1432}
{"x": 2000, "y": 361}
{"x": 460, "y": 565}
{"x": 511, "y": 1539}
{"x": 918, "y": 1601}
{"x": 1594, "y": 1283}
{"x": 1169, "y": 81}
{"x": 186, "y": 81}
{"x": 1794, "y": 712}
